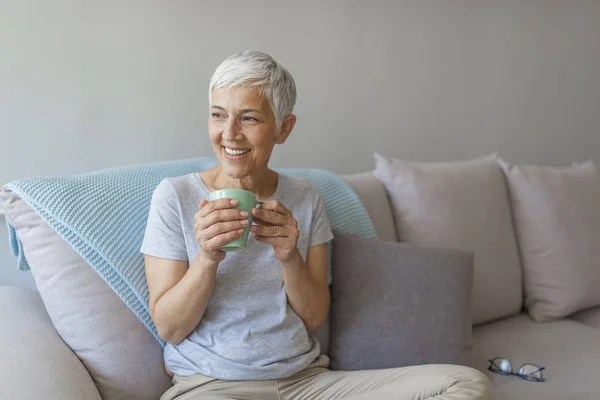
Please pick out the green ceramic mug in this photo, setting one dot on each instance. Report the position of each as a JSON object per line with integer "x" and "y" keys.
{"x": 246, "y": 202}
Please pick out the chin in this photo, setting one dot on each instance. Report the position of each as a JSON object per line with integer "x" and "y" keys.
{"x": 234, "y": 172}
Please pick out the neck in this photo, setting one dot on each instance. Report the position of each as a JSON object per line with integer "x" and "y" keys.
{"x": 263, "y": 183}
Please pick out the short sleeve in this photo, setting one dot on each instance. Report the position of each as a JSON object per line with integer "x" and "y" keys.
{"x": 164, "y": 237}
{"x": 320, "y": 231}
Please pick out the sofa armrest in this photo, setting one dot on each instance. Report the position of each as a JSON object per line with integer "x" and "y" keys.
{"x": 35, "y": 362}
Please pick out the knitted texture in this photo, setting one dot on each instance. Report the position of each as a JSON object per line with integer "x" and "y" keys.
{"x": 102, "y": 215}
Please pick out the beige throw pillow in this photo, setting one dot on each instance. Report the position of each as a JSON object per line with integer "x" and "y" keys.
{"x": 461, "y": 205}
{"x": 557, "y": 218}
{"x": 121, "y": 355}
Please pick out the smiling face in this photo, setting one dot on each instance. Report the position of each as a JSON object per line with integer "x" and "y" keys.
{"x": 243, "y": 131}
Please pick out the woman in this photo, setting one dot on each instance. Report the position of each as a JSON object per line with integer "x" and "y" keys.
{"x": 239, "y": 325}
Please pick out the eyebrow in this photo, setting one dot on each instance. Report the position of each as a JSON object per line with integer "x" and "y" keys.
{"x": 245, "y": 110}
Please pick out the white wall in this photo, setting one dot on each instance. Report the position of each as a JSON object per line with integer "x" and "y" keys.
{"x": 89, "y": 84}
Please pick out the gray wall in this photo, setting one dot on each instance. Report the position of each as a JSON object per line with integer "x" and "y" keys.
{"x": 89, "y": 84}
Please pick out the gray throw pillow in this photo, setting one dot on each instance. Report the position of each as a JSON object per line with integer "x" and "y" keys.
{"x": 398, "y": 304}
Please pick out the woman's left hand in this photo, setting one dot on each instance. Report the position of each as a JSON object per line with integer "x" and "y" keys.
{"x": 275, "y": 225}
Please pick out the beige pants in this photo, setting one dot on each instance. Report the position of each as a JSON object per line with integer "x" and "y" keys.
{"x": 440, "y": 382}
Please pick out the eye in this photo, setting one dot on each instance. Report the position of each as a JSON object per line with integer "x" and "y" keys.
{"x": 249, "y": 119}
{"x": 216, "y": 115}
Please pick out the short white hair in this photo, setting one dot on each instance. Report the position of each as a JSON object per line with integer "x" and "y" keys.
{"x": 260, "y": 70}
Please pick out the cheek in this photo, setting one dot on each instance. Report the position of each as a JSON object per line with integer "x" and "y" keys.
{"x": 262, "y": 140}
{"x": 213, "y": 134}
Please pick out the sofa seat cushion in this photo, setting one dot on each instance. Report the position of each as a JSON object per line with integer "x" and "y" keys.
{"x": 590, "y": 317}
{"x": 569, "y": 350}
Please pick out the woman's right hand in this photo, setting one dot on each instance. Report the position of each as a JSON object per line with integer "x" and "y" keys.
{"x": 217, "y": 223}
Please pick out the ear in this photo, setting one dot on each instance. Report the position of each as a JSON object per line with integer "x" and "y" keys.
{"x": 286, "y": 129}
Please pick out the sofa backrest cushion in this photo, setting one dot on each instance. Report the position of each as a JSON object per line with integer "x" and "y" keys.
{"x": 371, "y": 192}
{"x": 557, "y": 218}
{"x": 461, "y": 205}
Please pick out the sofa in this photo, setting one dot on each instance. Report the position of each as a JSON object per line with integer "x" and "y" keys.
{"x": 526, "y": 302}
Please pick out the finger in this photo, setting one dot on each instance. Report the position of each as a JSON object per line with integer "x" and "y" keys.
{"x": 202, "y": 203}
{"x": 261, "y": 222}
{"x": 221, "y": 216}
{"x": 272, "y": 217}
{"x": 219, "y": 204}
{"x": 273, "y": 231}
{"x": 222, "y": 227}
{"x": 274, "y": 205}
{"x": 274, "y": 241}
{"x": 223, "y": 238}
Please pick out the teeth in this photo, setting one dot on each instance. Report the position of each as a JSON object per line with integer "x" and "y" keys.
{"x": 235, "y": 152}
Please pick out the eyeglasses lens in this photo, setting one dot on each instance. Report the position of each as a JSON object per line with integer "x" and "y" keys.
{"x": 531, "y": 371}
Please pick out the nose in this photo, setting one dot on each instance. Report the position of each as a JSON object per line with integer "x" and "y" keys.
{"x": 232, "y": 129}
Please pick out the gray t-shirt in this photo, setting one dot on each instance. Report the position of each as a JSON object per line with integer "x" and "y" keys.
{"x": 249, "y": 331}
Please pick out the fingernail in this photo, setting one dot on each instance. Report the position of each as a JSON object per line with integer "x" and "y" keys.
{"x": 244, "y": 214}
{"x": 245, "y": 222}
{"x": 253, "y": 228}
{"x": 234, "y": 202}
{"x": 240, "y": 231}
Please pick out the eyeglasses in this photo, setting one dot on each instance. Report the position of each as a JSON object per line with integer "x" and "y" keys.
{"x": 529, "y": 372}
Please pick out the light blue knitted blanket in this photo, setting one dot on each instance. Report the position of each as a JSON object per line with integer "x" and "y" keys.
{"x": 103, "y": 215}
